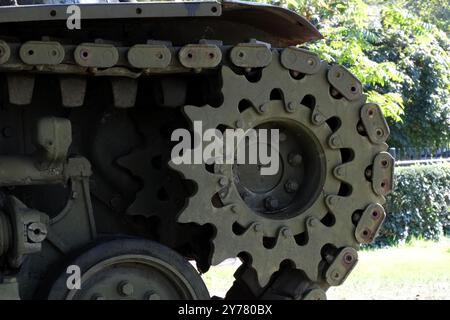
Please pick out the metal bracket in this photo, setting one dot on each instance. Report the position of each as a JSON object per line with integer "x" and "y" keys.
{"x": 53, "y": 138}
{"x": 374, "y": 123}
{"x": 383, "y": 173}
{"x": 300, "y": 60}
{"x": 29, "y": 227}
{"x": 369, "y": 223}
{"x": 345, "y": 82}
{"x": 200, "y": 56}
{"x": 251, "y": 55}
{"x": 73, "y": 90}
{"x": 42, "y": 53}
{"x": 341, "y": 267}
{"x": 20, "y": 88}
{"x": 98, "y": 55}
{"x": 145, "y": 56}
{"x": 124, "y": 92}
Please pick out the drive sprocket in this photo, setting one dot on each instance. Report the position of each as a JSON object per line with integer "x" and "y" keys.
{"x": 307, "y": 214}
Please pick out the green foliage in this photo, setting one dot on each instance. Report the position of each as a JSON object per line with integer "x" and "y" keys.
{"x": 419, "y": 207}
{"x": 436, "y": 12}
{"x": 421, "y": 51}
{"x": 398, "y": 52}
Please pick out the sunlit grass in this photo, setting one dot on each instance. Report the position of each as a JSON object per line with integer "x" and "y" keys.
{"x": 417, "y": 270}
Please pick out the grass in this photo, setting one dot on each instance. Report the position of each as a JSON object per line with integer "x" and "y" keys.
{"x": 418, "y": 270}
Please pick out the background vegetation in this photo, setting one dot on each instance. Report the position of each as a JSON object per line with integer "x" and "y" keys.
{"x": 400, "y": 50}
{"x": 419, "y": 207}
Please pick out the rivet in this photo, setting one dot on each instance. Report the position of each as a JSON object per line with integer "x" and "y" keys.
{"x": 334, "y": 141}
{"x": 332, "y": 200}
{"x": 223, "y": 182}
{"x": 238, "y": 124}
{"x": 291, "y": 106}
{"x": 339, "y": 171}
{"x": 286, "y": 232}
{"x": 317, "y": 118}
{"x": 348, "y": 258}
{"x": 257, "y": 227}
{"x": 263, "y": 108}
{"x": 313, "y": 222}
{"x": 152, "y": 296}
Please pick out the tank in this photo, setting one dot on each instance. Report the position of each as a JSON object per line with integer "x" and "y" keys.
{"x": 95, "y": 203}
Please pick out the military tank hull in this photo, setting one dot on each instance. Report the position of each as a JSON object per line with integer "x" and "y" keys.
{"x": 93, "y": 205}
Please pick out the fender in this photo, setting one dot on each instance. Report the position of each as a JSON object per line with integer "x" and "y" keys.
{"x": 230, "y": 21}
{"x": 283, "y": 26}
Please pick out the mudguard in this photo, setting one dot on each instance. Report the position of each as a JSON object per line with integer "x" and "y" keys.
{"x": 230, "y": 21}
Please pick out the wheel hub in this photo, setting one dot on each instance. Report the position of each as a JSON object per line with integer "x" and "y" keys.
{"x": 131, "y": 269}
{"x": 287, "y": 193}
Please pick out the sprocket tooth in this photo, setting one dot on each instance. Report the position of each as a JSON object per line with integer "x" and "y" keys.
{"x": 187, "y": 217}
{"x": 206, "y": 114}
{"x": 220, "y": 254}
{"x": 229, "y": 245}
{"x": 135, "y": 208}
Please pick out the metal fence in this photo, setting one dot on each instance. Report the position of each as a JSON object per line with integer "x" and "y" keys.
{"x": 410, "y": 156}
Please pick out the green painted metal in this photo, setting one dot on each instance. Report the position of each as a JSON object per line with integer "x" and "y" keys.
{"x": 86, "y": 124}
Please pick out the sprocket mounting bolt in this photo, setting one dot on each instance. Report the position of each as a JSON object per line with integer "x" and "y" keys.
{"x": 295, "y": 159}
{"x": 291, "y": 186}
{"x": 271, "y": 203}
{"x": 125, "y": 288}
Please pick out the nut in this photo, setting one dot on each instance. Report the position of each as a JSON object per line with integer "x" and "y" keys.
{"x": 295, "y": 159}
{"x": 125, "y": 289}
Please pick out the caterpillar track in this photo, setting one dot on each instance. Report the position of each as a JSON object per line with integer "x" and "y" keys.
{"x": 87, "y": 178}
